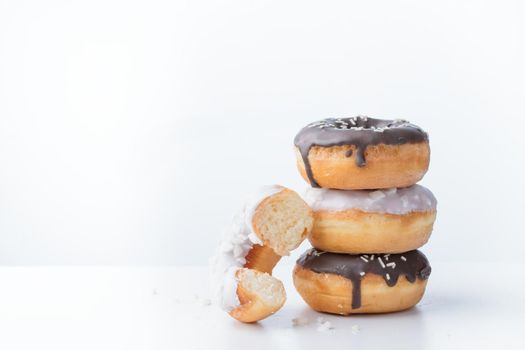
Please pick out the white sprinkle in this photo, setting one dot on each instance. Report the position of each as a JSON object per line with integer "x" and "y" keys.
{"x": 299, "y": 321}
{"x": 363, "y": 258}
{"x": 381, "y": 262}
{"x": 372, "y": 257}
{"x": 386, "y": 256}
{"x": 238, "y": 239}
{"x": 390, "y": 190}
{"x": 355, "y": 329}
{"x": 388, "y": 276}
{"x": 392, "y": 265}
{"x": 323, "y": 325}
{"x": 365, "y": 255}
{"x": 226, "y": 247}
{"x": 403, "y": 258}
{"x": 375, "y": 195}
{"x": 362, "y": 273}
{"x": 202, "y": 301}
{"x": 237, "y": 251}
{"x": 313, "y": 125}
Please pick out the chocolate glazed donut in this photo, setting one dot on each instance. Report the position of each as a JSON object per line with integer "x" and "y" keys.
{"x": 371, "y": 269}
{"x": 356, "y": 135}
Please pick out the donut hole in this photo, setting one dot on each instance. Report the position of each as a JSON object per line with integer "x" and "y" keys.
{"x": 282, "y": 221}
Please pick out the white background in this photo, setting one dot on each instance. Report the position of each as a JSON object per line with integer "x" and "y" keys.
{"x": 130, "y": 131}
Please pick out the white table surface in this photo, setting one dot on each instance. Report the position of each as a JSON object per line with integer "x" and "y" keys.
{"x": 466, "y": 307}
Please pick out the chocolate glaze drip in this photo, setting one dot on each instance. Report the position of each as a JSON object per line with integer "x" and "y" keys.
{"x": 411, "y": 264}
{"x": 358, "y": 131}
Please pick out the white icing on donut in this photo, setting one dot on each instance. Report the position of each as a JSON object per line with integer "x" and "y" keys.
{"x": 399, "y": 201}
{"x": 228, "y": 297}
{"x": 230, "y": 256}
{"x": 236, "y": 242}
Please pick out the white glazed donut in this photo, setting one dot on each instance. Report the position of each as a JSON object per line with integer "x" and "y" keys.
{"x": 275, "y": 221}
{"x": 371, "y": 221}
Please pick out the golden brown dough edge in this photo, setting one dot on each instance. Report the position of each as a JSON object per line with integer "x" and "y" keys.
{"x": 386, "y": 166}
{"x": 332, "y": 293}
{"x": 354, "y": 231}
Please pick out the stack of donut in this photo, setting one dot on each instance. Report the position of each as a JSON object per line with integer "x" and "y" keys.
{"x": 370, "y": 216}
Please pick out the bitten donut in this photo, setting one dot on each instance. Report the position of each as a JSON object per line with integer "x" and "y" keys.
{"x": 368, "y": 283}
{"x": 274, "y": 222}
{"x": 378, "y": 221}
{"x": 362, "y": 153}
